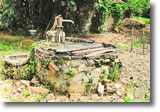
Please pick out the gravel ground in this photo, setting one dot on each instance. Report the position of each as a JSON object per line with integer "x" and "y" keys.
{"x": 136, "y": 70}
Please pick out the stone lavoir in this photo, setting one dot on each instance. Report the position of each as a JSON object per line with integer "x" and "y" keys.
{"x": 79, "y": 66}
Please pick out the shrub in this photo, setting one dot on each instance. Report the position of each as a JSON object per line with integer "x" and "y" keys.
{"x": 114, "y": 73}
{"x": 70, "y": 73}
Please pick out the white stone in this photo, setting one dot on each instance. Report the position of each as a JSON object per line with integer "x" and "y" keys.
{"x": 100, "y": 89}
{"x": 117, "y": 86}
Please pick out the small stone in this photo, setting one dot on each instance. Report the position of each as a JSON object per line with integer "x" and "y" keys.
{"x": 107, "y": 60}
{"x": 100, "y": 89}
{"x": 53, "y": 100}
{"x": 91, "y": 62}
{"x": 84, "y": 99}
{"x": 22, "y": 87}
{"x": 117, "y": 86}
{"x": 119, "y": 92}
{"x": 107, "y": 81}
{"x": 124, "y": 81}
{"x": 95, "y": 97}
{"x": 110, "y": 98}
{"x": 111, "y": 63}
{"x": 38, "y": 90}
{"x": 75, "y": 96}
{"x": 81, "y": 67}
{"x": 62, "y": 99}
{"x": 117, "y": 60}
{"x": 74, "y": 63}
{"x": 50, "y": 96}
{"x": 19, "y": 90}
{"x": 35, "y": 78}
{"x": 26, "y": 83}
{"x": 18, "y": 83}
{"x": 34, "y": 83}
{"x": 110, "y": 90}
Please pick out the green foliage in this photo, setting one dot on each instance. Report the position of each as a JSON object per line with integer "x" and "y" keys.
{"x": 90, "y": 82}
{"x": 25, "y": 72}
{"x": 135, "y": 44}
{"x": 134, "y": 84}
{"x": 70, "y": 73}
{"x": 38, "y": 98}
{"x": 14, "y": 15}
{"x": 104, "y": 71}
{"x": 30, "y": 67}
{"x": 103, "y": 10}
{"x": 22, "y": 15}
{"x": 26, "y": 94}
{"x": 118, "y": 11}
{"x": 10, "y": 46}
{"x": 147, "y": 20}
{"x": 114, "y": 73}
{"x": 14, "y": 100}
{"x": 138, "y": 7}
{"x": 47, "y": 86}
{"x": 101, "y": 78}
{"x": 98, "y": 65}
{"x": 147, "y": 99}
{"x": 123, "y": 47}
{"x": 127, "y": 99}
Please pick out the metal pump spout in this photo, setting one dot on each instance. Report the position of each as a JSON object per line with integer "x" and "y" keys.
{"x": 71, "y": 21}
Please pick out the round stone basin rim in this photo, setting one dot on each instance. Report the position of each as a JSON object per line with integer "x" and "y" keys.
{"x": 17, "y": 60}
{"x": 74, "y": 46}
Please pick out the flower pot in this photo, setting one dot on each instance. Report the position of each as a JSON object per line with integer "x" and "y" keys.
{"x": 33, "y": 32}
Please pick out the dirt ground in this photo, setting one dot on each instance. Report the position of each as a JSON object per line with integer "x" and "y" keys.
{"x": 136, "y": 66}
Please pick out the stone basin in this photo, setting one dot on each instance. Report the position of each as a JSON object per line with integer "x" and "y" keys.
{"x": 17, "y": 66}
{"x": 16, "y": 60}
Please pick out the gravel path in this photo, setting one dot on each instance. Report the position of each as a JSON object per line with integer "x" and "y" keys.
{"x": 136, "y": 70}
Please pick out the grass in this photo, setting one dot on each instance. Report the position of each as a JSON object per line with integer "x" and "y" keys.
{"x": 26, "y": 94}
{"x": 38, "y": 98}
{"x": 70, "y": 73}
{"x": 114, "y": 73}
{"x": 11, "y": 44}
{"x": 147, "y": 99}
{"x": 147, "y": 20}
{"x": 135, "y": 44}
{"x": 14, "y": 100}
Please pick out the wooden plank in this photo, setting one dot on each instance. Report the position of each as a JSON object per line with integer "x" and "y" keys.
{"x": 99, "y": 52}
{"x": 88, "y": 50}
{"x": 78, "y": 49}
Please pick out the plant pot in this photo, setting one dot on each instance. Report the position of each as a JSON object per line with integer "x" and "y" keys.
{"x": 33, "y": 32}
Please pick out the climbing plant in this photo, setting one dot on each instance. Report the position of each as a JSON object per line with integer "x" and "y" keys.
{"x": 103, "y": 10}
{"x": 118, "y": 13}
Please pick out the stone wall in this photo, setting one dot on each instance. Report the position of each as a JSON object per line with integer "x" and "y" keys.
{"x": 72, "y": 75}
